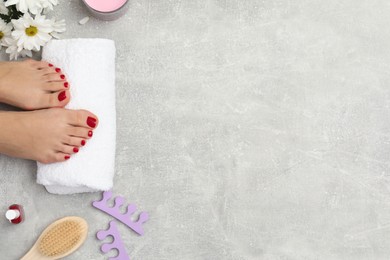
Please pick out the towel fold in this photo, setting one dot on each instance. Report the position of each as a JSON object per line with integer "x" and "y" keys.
{"x": 89, "y": 66}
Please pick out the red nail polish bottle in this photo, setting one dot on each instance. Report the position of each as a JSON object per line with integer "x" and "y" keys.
{"x": 15, "y": 214}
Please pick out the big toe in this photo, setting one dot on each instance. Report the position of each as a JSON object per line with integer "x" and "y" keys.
{"x": 56, "y": 99}
{"x": 46, "y": 100}
{"x": 83, "y": 118}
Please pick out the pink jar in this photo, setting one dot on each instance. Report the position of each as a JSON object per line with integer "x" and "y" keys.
{"x": 107, "y": 9}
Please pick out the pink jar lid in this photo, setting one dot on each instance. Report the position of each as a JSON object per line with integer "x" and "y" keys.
{"x": 105, "y": 5}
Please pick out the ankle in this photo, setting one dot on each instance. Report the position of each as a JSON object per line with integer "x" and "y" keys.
{"x": 6, "y": 121}
{"x": 15, "y": 141}
{"x": 3, "y": 72}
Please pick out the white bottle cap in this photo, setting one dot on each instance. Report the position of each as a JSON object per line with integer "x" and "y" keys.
{"x": 12, "y": 214}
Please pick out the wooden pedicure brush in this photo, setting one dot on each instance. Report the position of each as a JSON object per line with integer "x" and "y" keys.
{"x": 59, "y": 239}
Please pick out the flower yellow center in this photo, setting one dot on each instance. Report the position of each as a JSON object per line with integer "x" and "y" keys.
{"x": 1, "y": 35}
{"x": 31, "y": 31}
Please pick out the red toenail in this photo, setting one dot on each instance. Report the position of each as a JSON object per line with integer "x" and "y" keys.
{"x": 90, "y": 133}
{"x": 82, "y": 142}
{"x": 62, "y": 76}
{"x": 66, "y": 84}
{"x": 51, "y": 65}
{"x": 62, "y": 96}
{"x": 67, "y": 157}
{"x": 58, "y": 69}
{"x": 75, "y": 149}
{"x": 91, "y": 122}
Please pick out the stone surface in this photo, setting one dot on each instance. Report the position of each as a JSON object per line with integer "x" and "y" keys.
{"x": 247, "y": 129}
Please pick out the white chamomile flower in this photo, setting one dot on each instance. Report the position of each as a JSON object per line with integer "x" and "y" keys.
{"x": 12, "y": 49}
{"x": 32, "y": 33}
{"x": 58, "y": 27}
{"x": 3, "y": 8}
{"x": 5, "y": 31}
{"x": 47, "y": 5}
{"x": 24, "y": 6}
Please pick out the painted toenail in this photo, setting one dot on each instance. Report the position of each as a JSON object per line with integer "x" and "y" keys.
{"x": 50, "y": 65}
{"x": 62, "y": 96}
{"x": 58, "y": 69}
{"x": 67, "y": 157}
{"x": 66, "y": 84}
{"x": 82, "y": 142}
{"x": 62, "y": 76}
{"x": 91, "y": 122}
{"x": 90, "y": 133}
{"x": 75, "y": 150}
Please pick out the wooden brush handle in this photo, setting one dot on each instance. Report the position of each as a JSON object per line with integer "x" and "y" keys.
{"x": 30, "y": 256}
{"x": 33, "y": 254}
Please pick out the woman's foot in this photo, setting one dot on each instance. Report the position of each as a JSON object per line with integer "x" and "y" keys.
{"x": 47, "y": 136}
{"x": 33, "y": 85}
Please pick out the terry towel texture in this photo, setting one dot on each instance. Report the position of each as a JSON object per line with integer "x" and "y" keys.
{"x": 89, "y": 66}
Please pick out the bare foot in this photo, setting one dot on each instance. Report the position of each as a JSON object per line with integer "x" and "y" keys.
{"x": 48, "y": 135}
{"x": 33, "y": 85}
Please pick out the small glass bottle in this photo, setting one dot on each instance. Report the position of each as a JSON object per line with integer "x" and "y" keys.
{"x": 15, "y": 214}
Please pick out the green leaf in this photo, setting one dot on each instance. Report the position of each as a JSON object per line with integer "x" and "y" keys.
{"x": 13, "y": 13}
{"x": 5, "y": 18}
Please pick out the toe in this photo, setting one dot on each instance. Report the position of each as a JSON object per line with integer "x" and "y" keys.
{"x": 52, "y": 157}
{"x": 60, "y": 157}
{"x": 57, "y": 99}
{"x": 68, "y": 149}
{"x": 50, "y": 70}
{"x": 83, "y": 118}
{"x": 60, "y": 98}
{"x": 56, "y": 86}
{"x": 48, "y": 100}
{"x": 43, "y": 64}
{"x": 81, "y": 132}
{"x": 53, "y": 77}
{"x": 75, "y": 141}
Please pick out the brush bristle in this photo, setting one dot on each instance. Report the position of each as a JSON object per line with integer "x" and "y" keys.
{"x": 61, "y": 238}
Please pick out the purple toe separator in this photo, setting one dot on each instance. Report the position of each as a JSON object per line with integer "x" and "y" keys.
{"x": 115, "y": 211}
{"x": 116, "y": 243}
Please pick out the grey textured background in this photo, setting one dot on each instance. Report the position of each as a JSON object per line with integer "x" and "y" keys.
{"x": 247, "y": 129}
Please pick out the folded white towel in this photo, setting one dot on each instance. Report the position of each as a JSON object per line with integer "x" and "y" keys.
{"x": 89, "y": 66}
